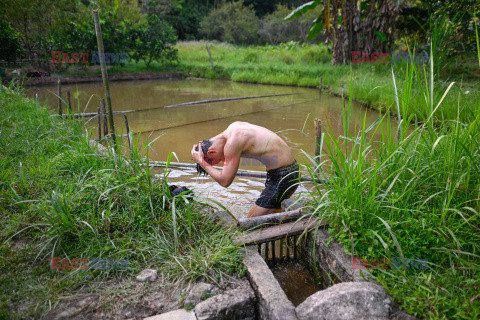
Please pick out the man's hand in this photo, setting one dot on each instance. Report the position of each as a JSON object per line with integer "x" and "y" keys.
{"x": 197, "y": 154}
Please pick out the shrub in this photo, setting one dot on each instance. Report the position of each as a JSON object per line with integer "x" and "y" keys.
{"x": 315, "y": 54}
{"x": 232, "y": 22}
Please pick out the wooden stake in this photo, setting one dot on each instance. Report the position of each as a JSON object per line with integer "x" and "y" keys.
{"x": 320, "y": 85}
{"x": 318, "y": 140}
{"x": 287, "y": 244}
{"x": 128, "y": 134}
{"x": 59, "y": 97}
{"x": 266, "y": 252}
{"x": 69, "y": 103}
{"x": 280, "y": 256}
{"x": 210, "y": 55}
{"x": 103, "y": 67}
{"x": 99, "y": 124}
{"x": 274, "y": 255}
{"x": 104, "y": 117}
{"x": 294, "y": 247}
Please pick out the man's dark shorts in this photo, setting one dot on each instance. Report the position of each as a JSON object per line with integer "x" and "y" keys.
{"x": 280, "y": 185}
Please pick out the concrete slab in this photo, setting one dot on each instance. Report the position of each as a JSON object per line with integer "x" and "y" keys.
{"x": 180, "y": 314}
{"x": 273, "y": 303}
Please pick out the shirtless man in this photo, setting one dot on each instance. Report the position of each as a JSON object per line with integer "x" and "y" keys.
{"x": 243, "y": 139}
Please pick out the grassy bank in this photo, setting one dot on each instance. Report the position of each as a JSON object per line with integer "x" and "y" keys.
{"x": 413, "y": 196}
{"x": 60, "y": 198}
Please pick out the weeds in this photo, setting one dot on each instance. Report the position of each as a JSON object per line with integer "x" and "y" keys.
{"x": 414, "y": 194}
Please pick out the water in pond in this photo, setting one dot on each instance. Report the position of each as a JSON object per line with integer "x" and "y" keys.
{"x": 295, "y": 280}
{"x": 178, "y": 128}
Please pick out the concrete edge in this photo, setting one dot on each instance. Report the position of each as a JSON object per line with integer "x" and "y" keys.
{"x": 273, "y": 303}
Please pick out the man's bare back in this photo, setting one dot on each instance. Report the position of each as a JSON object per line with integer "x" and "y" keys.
{"x": 243, "y": 139}
{"x": 259, "y": 142}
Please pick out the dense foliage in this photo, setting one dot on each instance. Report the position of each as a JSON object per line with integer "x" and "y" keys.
{"x": 367, "y": 25}
{"x": 10, "y": 49}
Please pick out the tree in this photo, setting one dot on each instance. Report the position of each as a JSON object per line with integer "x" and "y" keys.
{"x": 232, "y": 22}
{"x": 365, "y": 26}
{"x": 275, "y": 30}
{"x": 154, "y": 41}
{"x": 183, "y": 15}
{"x": 67, "y": 25}
{"x": 10, "y": 50}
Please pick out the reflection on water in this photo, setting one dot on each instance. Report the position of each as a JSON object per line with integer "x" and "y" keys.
{"x": 295, "y": 280}
{"x": 294, "y": 123}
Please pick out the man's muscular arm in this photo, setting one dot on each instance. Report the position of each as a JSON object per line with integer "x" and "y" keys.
{"x": 232, "y": 151}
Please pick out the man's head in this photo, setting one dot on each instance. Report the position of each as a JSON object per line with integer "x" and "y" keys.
{"x": 212, "y": 152}
{"x": 205, "y": 145}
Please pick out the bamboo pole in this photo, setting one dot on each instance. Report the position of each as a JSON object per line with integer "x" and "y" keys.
{"x": 94, "y": 114}
{"x": 240, "y": 172}
{"x": 59, "y": 97}
{"x": 219, "y": 100}
{"x": 103, "y": 67}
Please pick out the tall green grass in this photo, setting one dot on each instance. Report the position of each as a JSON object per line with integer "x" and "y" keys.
{"x": 59, "y": 197}
{"x": 414, "y": 194}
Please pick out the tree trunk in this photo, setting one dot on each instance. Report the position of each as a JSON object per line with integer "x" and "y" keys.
{"x": 357, "y": 34}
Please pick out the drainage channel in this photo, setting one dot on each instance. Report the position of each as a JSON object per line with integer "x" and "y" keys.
{"x": 274, "y": 251}
{"x": 278, "y": 260}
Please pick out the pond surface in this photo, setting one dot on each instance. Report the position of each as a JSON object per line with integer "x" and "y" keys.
{"x": 178, "y": 128}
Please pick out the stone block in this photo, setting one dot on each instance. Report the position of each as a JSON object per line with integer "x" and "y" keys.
{"x": 198, "y": 291}
{"x": 180, "y": 314}
{"x": 347, "y": 301}
{"x": 235, "y": 304}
